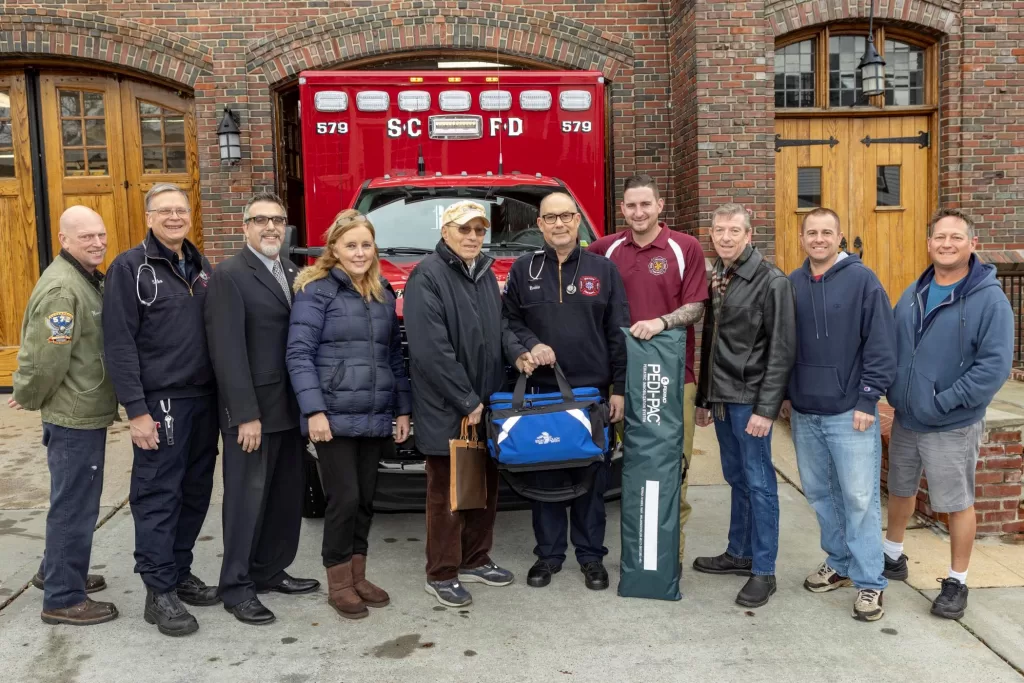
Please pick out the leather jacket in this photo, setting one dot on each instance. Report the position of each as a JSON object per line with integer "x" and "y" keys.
{"x": 749, "y": 347}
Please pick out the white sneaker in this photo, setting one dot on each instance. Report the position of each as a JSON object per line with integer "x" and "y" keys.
{"x": 826, "y": 579}
{"x": 868, "y": 605}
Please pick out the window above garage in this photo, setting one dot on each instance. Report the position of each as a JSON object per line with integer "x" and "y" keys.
{"x": 816, "y": 70}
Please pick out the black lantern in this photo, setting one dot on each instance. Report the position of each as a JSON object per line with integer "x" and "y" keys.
{"x": 230, "y": 138}
{"x": 872, "y": 66}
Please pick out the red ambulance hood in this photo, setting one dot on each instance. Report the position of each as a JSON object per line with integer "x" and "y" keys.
{"x": 396, "y": 270}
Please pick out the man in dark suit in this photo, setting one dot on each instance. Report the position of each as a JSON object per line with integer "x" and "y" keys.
{"x": 247, "y": 312}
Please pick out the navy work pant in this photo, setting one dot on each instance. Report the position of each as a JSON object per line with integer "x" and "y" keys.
{"x": 586, "y": 517}
{"x": 75, "y": 458}
{"x": 170, "y": 490}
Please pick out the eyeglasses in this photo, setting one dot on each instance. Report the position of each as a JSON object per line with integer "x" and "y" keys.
{"x": 263, "y": 220}
{"x": 466, "y": 231}
{"x": 167, "y": 213}
{"x": 552, "y": 218}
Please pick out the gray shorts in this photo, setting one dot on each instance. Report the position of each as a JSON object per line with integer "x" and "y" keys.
{"x": 948, "y": 459}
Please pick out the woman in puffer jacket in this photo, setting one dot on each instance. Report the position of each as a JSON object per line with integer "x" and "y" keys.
{"x": 346, "y": 366}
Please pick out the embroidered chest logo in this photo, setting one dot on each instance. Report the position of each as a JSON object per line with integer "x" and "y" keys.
{"x": 590, "y": 285}
{"x": 658, "y": 265}
{"x": 60, "y": 324}
{"x": 204, "y": 278}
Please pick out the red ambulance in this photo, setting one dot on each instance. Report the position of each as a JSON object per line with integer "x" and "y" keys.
{"x": 400, "y": 146}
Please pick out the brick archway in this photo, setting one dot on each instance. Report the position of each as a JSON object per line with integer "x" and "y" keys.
{"x": 58, "y": 33}
{"x": 941, "y": 17}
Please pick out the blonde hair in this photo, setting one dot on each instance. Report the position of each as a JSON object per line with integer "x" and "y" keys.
{"x": 369, "y": 287}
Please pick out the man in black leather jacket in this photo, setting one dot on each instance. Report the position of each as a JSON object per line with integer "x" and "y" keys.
{"x": 748, "y": 349}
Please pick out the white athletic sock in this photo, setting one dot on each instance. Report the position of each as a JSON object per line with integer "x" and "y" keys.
{"x": 961, "y": 577}
{"x": 892, "y": 550}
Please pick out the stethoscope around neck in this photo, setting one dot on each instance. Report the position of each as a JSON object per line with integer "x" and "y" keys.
{"x": 571, "y": 287}
{"x": 151, "y": 272}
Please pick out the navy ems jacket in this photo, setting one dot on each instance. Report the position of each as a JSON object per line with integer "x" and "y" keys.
{"x": 156, "y": 351}
{"x": 583, "y": 327}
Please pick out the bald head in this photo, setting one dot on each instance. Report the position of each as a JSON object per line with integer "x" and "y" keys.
{"x": 560, "y": 201}
{"x": 84, "y": 236}
{"x": 559, "y": 221}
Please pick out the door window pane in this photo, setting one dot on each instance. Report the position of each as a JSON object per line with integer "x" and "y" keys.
{"x": 93, "y": 104}
{"x": 163, "y": 139}
{"x": 72, "y": 132}
{"x": 176, "y": 159}
{"x": 904, "y": 74}
{"x": 70, "y": 103}
{"x": 151, "y": 132}
{"x": 794, "y": 75}
{"x": 845, "y": 88}
{"x": 5, "y": 104}
{"x": 808, "y": 187}
{"x": 95, "y": 132}
{"x": 153, "y": 159}
{"x": 98, "y": 162}
{"x": 174, "y": 130}
{"x": 6, "y": 136}
{"x": 888, "y": 182}
{"x": 83, "y": 132}
{"x": 74, "y": 162}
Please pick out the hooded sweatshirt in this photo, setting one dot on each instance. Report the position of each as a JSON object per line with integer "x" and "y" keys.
{"x": 951, "y": 362}
{"x": 846, "y": 339}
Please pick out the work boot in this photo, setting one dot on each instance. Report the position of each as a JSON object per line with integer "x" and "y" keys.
{"x": 951, "y": 603}
{"x": 93, "y": 582}
{"x": 595, "y": 575}
{"x": 868, "y": 605}
{"x": 372, "y": 595}
{"x": 896, "y": 570}
{"x": 724, "y": 564}
{"x": 85, "y": 613}
{"x": 540, "y": 573}
{"x": 192, "y": 591}
{"x": 170, "y": 616}
{"x": 756, "y": 591}
{"x": 826, "y": 579}
{"x": 342, "y": 596}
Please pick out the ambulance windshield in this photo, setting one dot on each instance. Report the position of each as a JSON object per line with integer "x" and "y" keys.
{"x": 411, "y": 216}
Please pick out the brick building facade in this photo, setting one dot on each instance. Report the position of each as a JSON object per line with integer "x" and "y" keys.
{"x": 694, "y": 89}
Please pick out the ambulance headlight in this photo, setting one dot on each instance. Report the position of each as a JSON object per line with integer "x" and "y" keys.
{"x": 331, "y": 100}
{"x": 456, "y": 127}
{"x": 496, "y": 100}
{"x": 372, "y": 100}
{"x": 414, "y": 100}
{"x": 455, "y": 100}
{"x": 574, "y": 100}
{"x": 535, "y": 100}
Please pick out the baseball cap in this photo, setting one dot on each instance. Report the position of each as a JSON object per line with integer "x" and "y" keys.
{"x": 463, "y": 212}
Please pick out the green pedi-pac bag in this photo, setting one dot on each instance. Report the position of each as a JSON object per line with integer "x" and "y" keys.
{"x": 652, "y": 466}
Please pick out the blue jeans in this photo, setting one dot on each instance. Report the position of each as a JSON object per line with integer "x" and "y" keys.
{"x": 747, "y": 466}
{"x": 839, "y": 470}
{"x": 75, "y": 458}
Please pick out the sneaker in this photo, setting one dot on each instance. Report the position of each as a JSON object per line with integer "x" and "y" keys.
{"x": 868, "y": 605}
{"x": 450, "y": 593}
{"x": 826, "y": 579}
{"x": 951, "y": 603}
{"x": 896, "y": 570}
{"x": 489, "y": 574}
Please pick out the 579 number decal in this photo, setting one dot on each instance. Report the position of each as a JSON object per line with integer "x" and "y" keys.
{"x": 577, "y": 126}
{"x": 331, "y": 128}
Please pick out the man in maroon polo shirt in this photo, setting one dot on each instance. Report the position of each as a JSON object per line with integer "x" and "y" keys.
{"x": 666, "y": 285}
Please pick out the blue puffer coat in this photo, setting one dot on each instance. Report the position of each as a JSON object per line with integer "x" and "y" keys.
{"x": 345, "y": 358}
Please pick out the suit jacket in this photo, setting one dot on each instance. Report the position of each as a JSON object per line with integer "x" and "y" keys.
{"x": 247, "y": 317}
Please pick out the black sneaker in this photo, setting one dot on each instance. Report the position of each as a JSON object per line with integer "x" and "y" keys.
{"x": 170, "y": 616}
{"x": 895, "y": 570}
{"x": 951, "y": 603}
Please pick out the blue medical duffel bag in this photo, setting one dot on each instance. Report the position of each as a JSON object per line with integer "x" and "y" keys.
{"x": 550, "y": 431}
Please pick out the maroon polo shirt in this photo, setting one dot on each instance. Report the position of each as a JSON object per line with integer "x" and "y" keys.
{"x": 666, "y": 274}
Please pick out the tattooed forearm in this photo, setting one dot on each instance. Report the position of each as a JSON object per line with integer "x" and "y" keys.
{"x": 685, "y": 315}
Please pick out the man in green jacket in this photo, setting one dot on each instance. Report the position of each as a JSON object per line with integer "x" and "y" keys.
{"x": 61, "y": 373}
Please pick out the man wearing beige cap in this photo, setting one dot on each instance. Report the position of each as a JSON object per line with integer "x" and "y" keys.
{"x": 453, "y": 312}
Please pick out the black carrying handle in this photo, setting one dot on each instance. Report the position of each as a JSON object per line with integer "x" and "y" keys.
{"x": 519, "y": 393}
{"x": 518, "y": 481}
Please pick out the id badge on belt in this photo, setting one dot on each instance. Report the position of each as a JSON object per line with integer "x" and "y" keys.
{"x": 168, "y": 421}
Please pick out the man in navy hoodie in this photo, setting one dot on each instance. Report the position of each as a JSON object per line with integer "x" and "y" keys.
{"x": 845, "y": 361}
{"x": 954, "y": 343}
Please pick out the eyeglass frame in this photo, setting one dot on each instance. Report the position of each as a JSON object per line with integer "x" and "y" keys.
{"x": 278, "y": 221}
{"x": 553, "y": 218}
{"x": 167, "y": 212}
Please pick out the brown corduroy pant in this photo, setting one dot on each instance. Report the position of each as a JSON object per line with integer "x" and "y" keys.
{"x": 457, "y": 539}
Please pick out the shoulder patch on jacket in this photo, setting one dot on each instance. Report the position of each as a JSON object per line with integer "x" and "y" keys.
{"x": 61, "y": 324}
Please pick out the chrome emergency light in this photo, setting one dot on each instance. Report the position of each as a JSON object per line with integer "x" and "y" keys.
{"x": 574, "y": 100}
{"x": 414, "y": 100}
{"x": 372, "y": 100}
{"x": 496, "y": 100}
{"x": 331, "y": 100}
{"x": 456, "y": 127}
{"x": 455, "y": 100}
{"x": 535, "y": 100}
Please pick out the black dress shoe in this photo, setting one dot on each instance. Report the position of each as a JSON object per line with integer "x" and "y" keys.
{"x": 596, "y": 576}
{"x": 724, "y": 564}
{"x": 170, "y": 616}
{"x": 252, "y": 612}
{"x": 192, "y": 591}
{"x": 756, "y": 591}
{"x": 292, "y": 586}
{"x": 540, "y": 573}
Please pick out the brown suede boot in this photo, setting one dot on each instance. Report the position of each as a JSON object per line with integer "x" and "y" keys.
{"x": 341, "y": 595}
{"x": 373, "y": 596}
